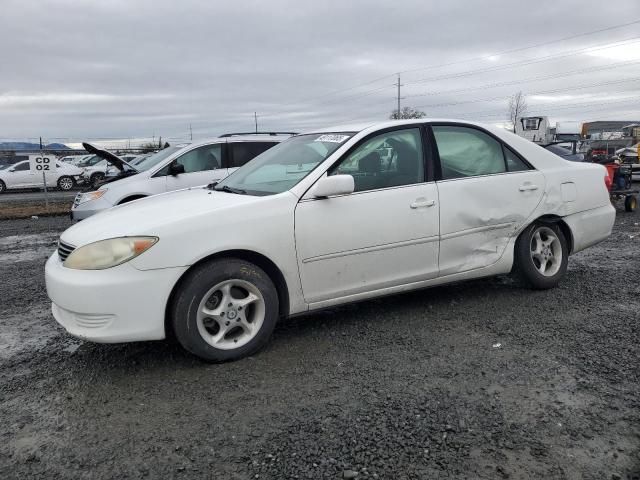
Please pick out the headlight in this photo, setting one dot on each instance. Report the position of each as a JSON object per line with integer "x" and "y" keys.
{"x": 87, "y": 197}
{"x": 108, "y": 253}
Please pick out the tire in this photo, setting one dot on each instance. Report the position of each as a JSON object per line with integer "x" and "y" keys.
{"x": 630, "y": 203}
{"x": 541, "y": 255}
{"x": 131, "y": 199}
{"x": 65, "y": 183}
{"x": 3, "y": 187}
{"x": 214, "y": 320}
{"x": 95, "y": 179}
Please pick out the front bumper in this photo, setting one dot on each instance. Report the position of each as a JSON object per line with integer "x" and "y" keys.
{"x": 80, "y": 211}
{"x": 119, "y": 304}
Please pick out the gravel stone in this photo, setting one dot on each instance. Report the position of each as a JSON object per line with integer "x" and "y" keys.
{"x": 405, "y": 387}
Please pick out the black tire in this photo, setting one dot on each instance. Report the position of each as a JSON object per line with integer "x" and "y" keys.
{"x": 192, "y": 291}
{"x": 630, "y": 203}
{"x": 96, "y": 179}
{"x": 528, "y": 269}
{"x": 3, "y": 187}
{"x": 131, "y": 199}
{"x": 66, "y": 183}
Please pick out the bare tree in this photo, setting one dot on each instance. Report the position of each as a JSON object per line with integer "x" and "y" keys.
{"x": 517, "y": 108}
{"x": 406, "y": 113}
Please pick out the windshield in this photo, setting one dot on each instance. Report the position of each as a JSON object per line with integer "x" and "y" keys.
{"x": 283, "y": 166}
{"x": 153, "y": 159}
{"x": 91, "y": 161}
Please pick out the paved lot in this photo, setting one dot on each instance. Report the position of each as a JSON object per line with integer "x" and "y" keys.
{"x": 477, "y": 380}
{"x": 30, "y": 196}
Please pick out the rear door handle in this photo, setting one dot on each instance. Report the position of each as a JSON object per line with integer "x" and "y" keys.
{"x": 527, "y": 186}
{"x": 421, "y": 202}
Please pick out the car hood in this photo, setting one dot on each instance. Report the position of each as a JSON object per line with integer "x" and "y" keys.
{"x": 113, "y": 159}
{"x": 149, "y": 216}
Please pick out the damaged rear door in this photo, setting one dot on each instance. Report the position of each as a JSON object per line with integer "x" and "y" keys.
{"x": 487, "y": 192}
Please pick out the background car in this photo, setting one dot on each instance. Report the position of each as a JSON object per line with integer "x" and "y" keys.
{"x": 21, "y": 176}
{"x": 174, "y": 168}
{"x": 565, "y": 153}
{"x": 93, "y": 174}
{"x": 326, "y": 218}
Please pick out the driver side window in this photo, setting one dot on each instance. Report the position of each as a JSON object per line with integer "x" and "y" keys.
{"x": 388, "y": 160}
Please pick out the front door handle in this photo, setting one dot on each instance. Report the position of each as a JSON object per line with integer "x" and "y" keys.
{"x": 527, "y": 187}
{"x": 422, "y": 202}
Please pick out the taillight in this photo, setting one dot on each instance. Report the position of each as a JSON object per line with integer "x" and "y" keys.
{"x": 608, "y": 181}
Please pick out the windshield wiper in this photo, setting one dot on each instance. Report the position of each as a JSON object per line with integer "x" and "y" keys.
{"x": 228, "y": 189}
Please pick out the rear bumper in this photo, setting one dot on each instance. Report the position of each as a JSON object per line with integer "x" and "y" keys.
{"x": 591, "y": 226}
{"x": 119, "y": 304}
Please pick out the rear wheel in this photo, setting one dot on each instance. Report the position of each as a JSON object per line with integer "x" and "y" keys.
{"x": 224, "y": 310}
{"x": 65, "y": 183}
{"x": 630, "y": 203}
{"x": 3, "y": 187}
{"x": 541, "y": 255}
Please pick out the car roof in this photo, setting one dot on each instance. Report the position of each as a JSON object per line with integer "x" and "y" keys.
{"x": 235, "y": 138}
{"x": 377, "y": 125}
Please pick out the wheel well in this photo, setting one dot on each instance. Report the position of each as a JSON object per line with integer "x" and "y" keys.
{"x": 563, "y": 227}
{"x": 131, "y": 199}
{"x": 258, "y": 259}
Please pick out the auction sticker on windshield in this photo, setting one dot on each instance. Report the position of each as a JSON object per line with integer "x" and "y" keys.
{"x": 332, "y": 138}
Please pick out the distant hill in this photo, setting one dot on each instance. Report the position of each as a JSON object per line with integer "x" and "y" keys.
{"x": 22, "y": 146}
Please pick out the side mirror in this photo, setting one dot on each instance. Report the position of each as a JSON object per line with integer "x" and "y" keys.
{"x": 176, "y": 168}
{"x": 12, "y": 169}
{"x": 334, "y": 185}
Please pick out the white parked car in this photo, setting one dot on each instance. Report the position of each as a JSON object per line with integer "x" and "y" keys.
{"x": 326, "y": 218}
{"x": 73, "y": 159}
{"x": 95, "y": 173}
{"x": 173, "y": 168}
{"x": 21, "y": 176}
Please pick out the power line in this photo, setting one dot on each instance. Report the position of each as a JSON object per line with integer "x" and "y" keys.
{"x": 544, "y": 92}
{"x": 527, "y": 80}
{"x": 483, "y": 57}
{"x": 524, "y": 62}
{"x": 528, "y": 47}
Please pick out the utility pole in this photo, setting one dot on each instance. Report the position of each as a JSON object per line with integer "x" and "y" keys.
{"x": 399, "y": 85}
{"x": 190, "y": 132}
{"x": 255, "y": 118}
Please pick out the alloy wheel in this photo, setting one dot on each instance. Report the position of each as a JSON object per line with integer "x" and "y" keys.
{"x": 546, "y": 251}
{"x": 231, "y": 314}
{"x": 65, "y": 184}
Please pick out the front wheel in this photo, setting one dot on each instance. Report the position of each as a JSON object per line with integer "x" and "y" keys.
{"x": 96, "y": 179}
{"x": 541, "y": 255}
{"x": 3, "y": 187}
{"x": 630, "y": 203}
{"x": 224, "y": 310}
{"x": 65, "y": 183}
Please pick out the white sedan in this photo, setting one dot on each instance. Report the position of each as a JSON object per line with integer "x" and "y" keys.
{"x": 20, "y": 175}
{"x": 326, "y": 218}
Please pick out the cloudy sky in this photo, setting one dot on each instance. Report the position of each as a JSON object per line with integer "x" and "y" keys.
{"x": 74, "y": 70}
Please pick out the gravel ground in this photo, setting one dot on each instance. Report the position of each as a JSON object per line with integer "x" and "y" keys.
{"x": 477, "y": 380}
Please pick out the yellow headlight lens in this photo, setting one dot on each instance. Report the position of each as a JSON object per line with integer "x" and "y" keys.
{"x": 108, "y": 253}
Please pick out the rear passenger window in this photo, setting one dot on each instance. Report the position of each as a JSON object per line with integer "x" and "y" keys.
{"x": 467, "y": 152}
{"x": 514, "y": 163}
{"x": 241, "y": 153}
{"x": 200, "y": 159}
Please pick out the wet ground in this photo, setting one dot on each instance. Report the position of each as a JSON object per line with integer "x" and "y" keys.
{"x": 477, "y": 380}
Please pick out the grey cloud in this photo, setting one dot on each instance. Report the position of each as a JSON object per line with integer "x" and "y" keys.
{"x": 76, "y": 69}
